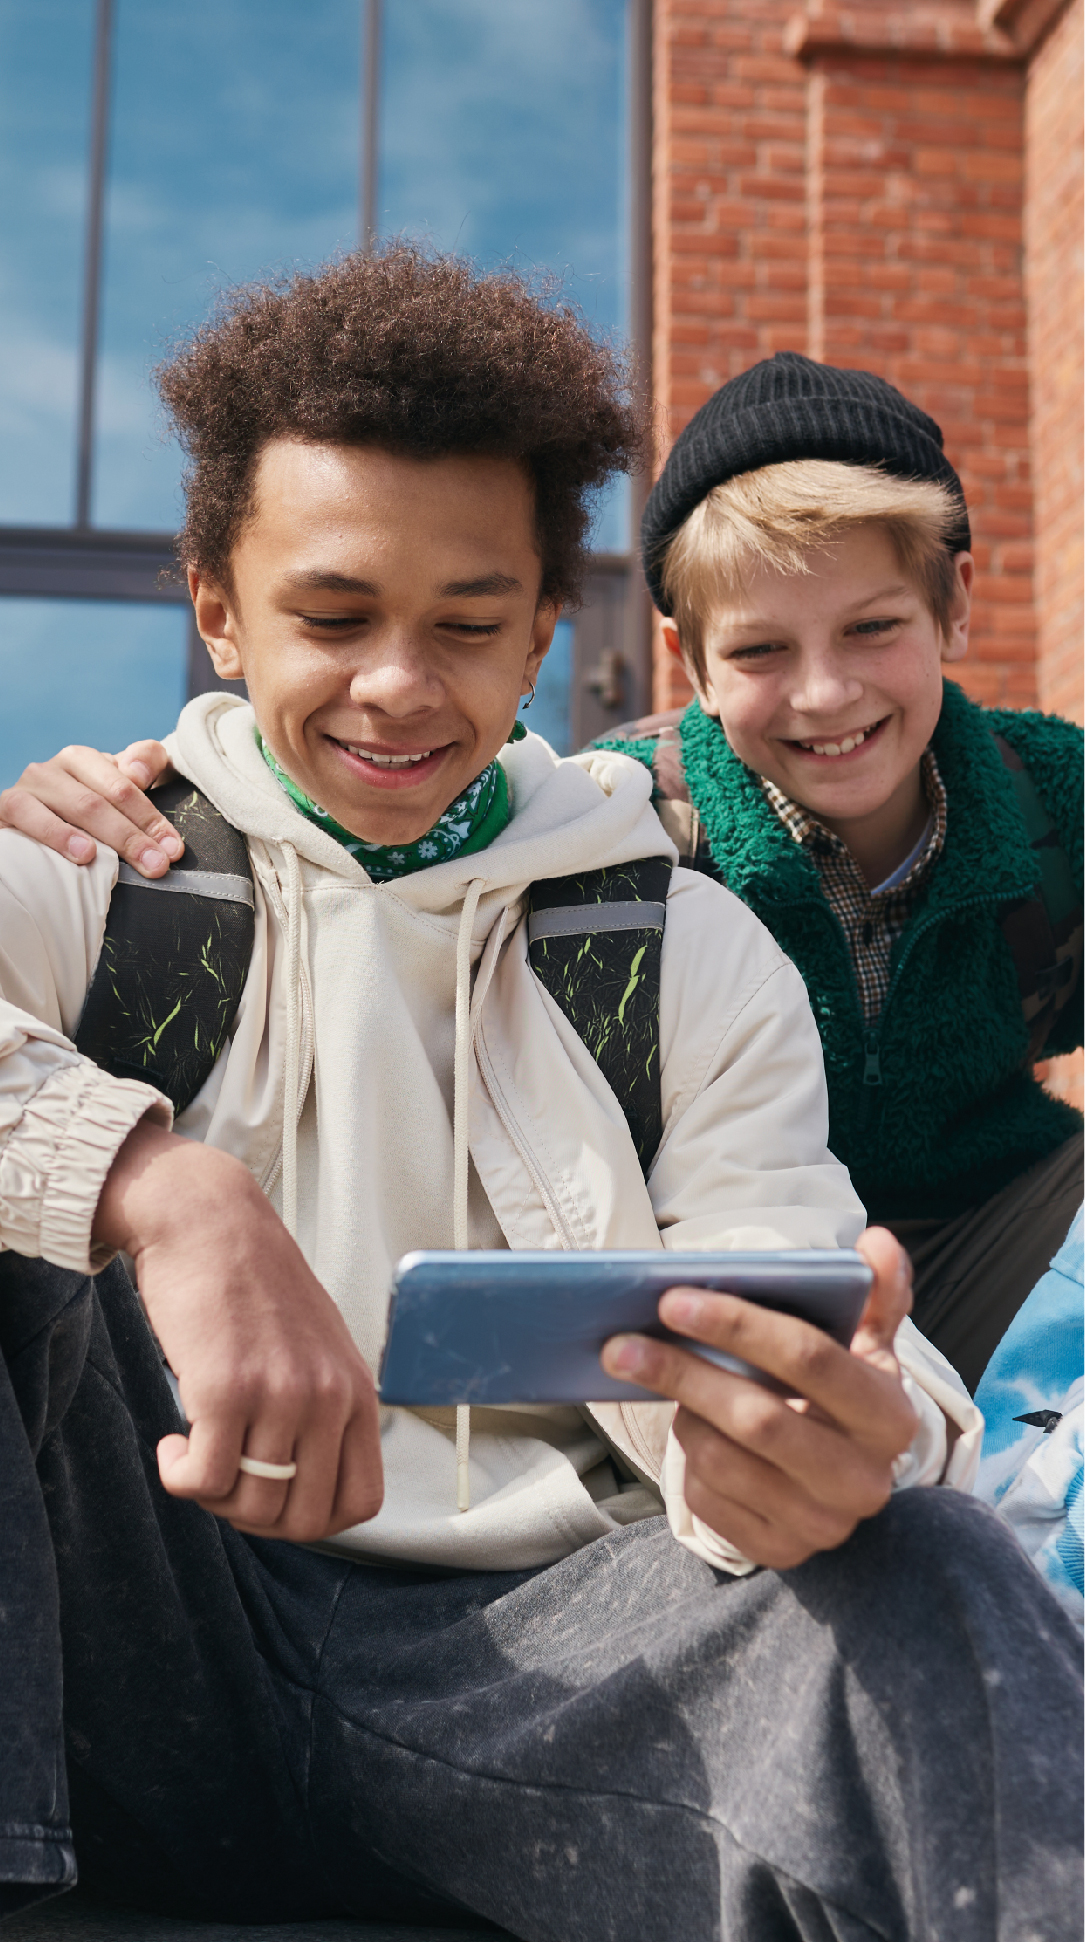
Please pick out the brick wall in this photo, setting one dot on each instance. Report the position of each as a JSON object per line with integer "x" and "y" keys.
{"x": 916, "y": 255}
{"x": 1053, "y": 221}
{"x": 730, "y": 214}
{"x": 852, "y": 184}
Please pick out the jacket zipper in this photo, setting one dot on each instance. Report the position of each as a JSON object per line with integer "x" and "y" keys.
{"x": 872, "y": 1065}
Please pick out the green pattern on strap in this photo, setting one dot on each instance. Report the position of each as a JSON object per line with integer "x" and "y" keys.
{"x": 167, "y": 985}
{"x": 607, "y": 984}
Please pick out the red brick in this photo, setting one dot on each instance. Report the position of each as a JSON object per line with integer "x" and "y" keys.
{"x": 914, "y": 267}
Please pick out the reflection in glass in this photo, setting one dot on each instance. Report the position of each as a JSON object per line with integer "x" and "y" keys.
{"x": 234, "y": 154}
{"x": 86, "y": 671}
{"x": 504, "y": 136}
{"x": 45, "y": 70}
{"x": 549, "y": 713}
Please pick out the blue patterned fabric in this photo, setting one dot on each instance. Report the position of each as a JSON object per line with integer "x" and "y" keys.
{"x": 1031, "y": 1396}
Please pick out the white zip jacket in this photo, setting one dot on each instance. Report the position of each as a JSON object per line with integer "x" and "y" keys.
{"x": 397, "y": 1078}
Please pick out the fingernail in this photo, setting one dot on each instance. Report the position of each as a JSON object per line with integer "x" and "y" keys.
{"x": 683, "y": 1308}
{"x": 140, "y": 773}
{"x": 152, "y": 860}
{"x": 172, "y": 845}
{"x": 79, "y": 848}
{"x": 625, "y": 1355}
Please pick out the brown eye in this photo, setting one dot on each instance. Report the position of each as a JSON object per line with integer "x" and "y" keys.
{"x": 870, "y": 629}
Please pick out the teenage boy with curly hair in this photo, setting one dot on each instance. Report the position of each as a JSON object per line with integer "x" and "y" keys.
{"x": 566, "y": 1698}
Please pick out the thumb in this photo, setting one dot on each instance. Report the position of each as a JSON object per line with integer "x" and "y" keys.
{"x": 143, "y": 763}
{"x": 890, "y": 1298}
{"x": 171, "y": 1451}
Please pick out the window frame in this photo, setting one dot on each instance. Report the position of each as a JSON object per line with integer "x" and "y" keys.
{"x": 611, "y": 678}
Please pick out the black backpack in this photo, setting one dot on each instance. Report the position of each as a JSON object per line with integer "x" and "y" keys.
{"x": 1044, "y": 932}
{"x": 162, "y": 1002}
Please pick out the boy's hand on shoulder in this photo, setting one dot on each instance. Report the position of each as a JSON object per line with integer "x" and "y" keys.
{"x": 265, "y": 1362}
{"x": 783, "y": 1479}
{"x": 81, "y": 794}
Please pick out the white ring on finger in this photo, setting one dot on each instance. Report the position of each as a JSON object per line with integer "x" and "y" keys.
{"x": 275, "y": 1472}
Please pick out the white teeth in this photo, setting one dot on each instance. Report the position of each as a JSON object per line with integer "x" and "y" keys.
{"x": 840, "y": 748}
{"x": 387, "y": 761}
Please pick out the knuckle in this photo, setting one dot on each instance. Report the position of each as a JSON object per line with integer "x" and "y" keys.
{"x": 85, "y": 803}
{"x": 120, "y": 792}
{"x": 330, "y": 1383}
{"x": 285, "y": 1388}
{"x": 812, "y": 1357}
{"x": 758, "y": 1418}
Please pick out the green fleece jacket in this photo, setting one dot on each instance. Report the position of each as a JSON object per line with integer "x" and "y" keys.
{"x": 932, "y": 1111}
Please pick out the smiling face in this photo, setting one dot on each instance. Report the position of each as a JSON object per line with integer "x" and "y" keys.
{"x": 384, "y": 612}
{"x": 829, "y": 684}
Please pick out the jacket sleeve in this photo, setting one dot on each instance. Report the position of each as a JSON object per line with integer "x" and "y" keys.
{"x": 745, "y": 1162}
{"x": 62, "y": 1119}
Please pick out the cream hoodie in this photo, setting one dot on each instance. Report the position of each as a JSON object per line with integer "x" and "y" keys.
{"x": 397, "y": 1078}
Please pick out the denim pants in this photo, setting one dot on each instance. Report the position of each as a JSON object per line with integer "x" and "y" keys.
{"x": 623, "y": 1747}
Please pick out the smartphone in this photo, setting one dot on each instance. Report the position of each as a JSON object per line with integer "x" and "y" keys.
{"x": 500, "y": 1326}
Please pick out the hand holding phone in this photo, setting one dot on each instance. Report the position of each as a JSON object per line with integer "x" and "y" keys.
{"x": 509, "y": 1327}
{"x": 777, "y": 1479}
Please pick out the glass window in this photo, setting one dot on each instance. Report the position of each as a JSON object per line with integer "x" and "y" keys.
{"x": 504, "y": 135}
{"x": 93, "y": 671}
{"x": 234, "y": 152}
{"x": 549, "y": 713}
{"x": 233, "y": 147}
{"x": 45, "y": 70}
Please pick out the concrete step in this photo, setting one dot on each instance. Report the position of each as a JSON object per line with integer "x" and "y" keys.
{"x": 76, "y": 1918}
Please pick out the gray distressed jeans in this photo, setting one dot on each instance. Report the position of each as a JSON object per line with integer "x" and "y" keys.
{"x": 624, "y": 1747}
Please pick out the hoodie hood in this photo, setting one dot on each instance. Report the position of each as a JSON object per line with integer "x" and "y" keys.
{"x": 568, "y": 814}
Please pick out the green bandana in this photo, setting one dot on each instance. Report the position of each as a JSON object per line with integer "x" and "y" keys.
{"x": 468, "y": 824}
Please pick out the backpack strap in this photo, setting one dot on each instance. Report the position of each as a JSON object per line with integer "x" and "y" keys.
{"x": 595, "y": 942}
{"x": 1044, "y": 931}
{"x": 175, "y": 955}
{"x": 671, "y": 799}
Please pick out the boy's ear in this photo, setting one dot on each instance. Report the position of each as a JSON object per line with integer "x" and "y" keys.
{"x": 216, "y": 623}
{"x": 547, "y": 615}
{"x": 955, "y": 639}
{"x": 696, "y": 680}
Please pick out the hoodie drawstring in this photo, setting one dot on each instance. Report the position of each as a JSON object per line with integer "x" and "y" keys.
{"x": 460, "y": 1084}
{"x": 291, "y": 1102}
{"x": 461, "y": 1081}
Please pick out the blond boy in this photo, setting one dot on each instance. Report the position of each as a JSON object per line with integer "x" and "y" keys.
{"x": 918, "y": 857}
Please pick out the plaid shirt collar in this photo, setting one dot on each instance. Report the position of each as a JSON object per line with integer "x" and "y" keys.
{"x": 813, "y": 835}
{"x": 872, "y": 920}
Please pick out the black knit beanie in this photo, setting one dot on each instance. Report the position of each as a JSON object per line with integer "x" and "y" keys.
{"x": 788, "y": 407}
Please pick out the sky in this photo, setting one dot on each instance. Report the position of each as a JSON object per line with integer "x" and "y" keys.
{"x": 234, "y": 153}
{"x": 235, "y": 144}
{"x": 94, "y": 671}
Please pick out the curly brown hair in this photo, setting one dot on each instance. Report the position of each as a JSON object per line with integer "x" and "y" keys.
{"x": 413, "y": 352}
